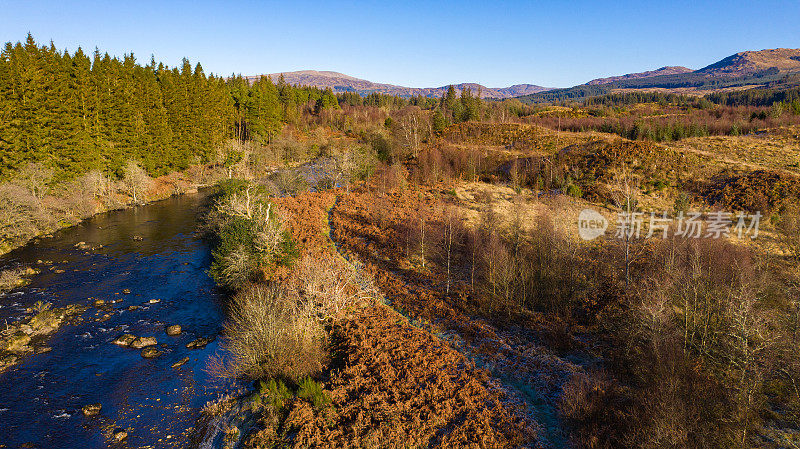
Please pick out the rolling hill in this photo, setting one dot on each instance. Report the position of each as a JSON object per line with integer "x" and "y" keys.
{"x": 340, "y": 82}
{"x": 775, "y": 68}
{"x": 668, "y": 70}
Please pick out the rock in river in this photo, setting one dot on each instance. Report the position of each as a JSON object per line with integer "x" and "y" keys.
{"x": 174, "y": 330}
{"x": 199, "y": 343}
{"x": 91, "y": 409}
{"x": 120, "y": 434}
{"x": 141, "y": 342}
{"x": 124, "y": 340}
{"x": 180, "y": 362}
{"x": 151, "y": 352}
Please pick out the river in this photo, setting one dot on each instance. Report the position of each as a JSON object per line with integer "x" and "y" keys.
{"x": 148, "y": 253}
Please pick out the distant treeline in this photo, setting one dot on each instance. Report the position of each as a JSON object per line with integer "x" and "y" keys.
{"x": 383, "y": 100}
{"x": 771, "y": 77}
{"x": 628, "y": 98}
{"x": 671, "y": 122}
{"x": 757, "y": 97}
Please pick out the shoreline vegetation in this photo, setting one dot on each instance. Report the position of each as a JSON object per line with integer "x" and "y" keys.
{"x": 27, "y": 217}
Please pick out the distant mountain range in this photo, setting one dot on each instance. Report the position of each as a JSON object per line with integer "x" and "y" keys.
{"x": 340, "y": 82}
{"x": 776, "y": 68}
{"x": 668, "y": 70}
{"x": 773, "y": 67}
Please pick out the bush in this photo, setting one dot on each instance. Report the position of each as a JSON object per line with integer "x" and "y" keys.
{"x": 328, "y": 284}
{"x": 312, "y": 392}
{"x": 235, "y": 259}
{"x": 289, "y": 182}
{"x": 269, "y": 335}
{"x": 380, "y": 146}
{"x": 574, "y": 191}
{"x": 681, "y": 204}
{"x": 789, "y": 230}
{"x": 276, "y": 392}
{"x": 249, "y": 234}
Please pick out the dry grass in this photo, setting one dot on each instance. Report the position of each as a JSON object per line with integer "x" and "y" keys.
{"x": 775, "y": 150}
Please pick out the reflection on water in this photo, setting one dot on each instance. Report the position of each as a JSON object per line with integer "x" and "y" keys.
{"x": 149, "y": 251}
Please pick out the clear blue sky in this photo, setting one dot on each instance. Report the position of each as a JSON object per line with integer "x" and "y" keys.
{"x": 415, "y": 43}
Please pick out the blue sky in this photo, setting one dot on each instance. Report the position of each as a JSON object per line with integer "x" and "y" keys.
{"x": 415, "y": 43}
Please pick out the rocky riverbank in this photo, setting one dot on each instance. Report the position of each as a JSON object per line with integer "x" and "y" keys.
{"x": 30, "y": 335}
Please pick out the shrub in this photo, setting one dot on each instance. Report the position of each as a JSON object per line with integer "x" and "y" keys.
{"x": 574, "y": 191}
{"x": 789, "y": 230}
{"x": 249, "y": 234}
{"x": 289, "y": 182}
{"x": 276, "y": 392}
{"x": 681, "y": 203}
{"x": 380, "y": 146}
{"x": 328, "y": 284}
{"x": 235, "y": 259}
{"x": 268, "y": 334}
{"x": 312, "y": 392}
{"x": 12, "y": 278}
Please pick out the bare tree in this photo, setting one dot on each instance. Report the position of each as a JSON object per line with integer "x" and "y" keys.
{"x": 36, "y": 177}
{"x": 452, "y": 230}
{"x": 411, "y": 127}
{"x": 136, "y": 181}
{"x": 625, "y": 192}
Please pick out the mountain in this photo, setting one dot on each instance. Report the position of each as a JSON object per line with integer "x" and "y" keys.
{"x": 668, "y": 70}
{"x": 774, "y": 68}
{"x": 751, "y": 62}
{"x": 340, "y": 82}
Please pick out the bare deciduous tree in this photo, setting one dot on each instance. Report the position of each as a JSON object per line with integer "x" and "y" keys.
{"x": 136, "y": 181}
{"x": 626, "y": 193}
{"x": 36, "y": 177}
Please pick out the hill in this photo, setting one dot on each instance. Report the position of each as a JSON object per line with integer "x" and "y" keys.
{"x": 668, "y": 70}
{"x": 744, "y": 63}
{"x": 339, "y": 82}
{"x": 776, "y": 68}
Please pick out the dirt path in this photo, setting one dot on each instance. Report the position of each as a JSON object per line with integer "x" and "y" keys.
{"x": 518, "y": 360}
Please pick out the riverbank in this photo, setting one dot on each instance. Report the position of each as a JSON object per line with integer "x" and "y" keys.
{"x": 28, "y": 218}
{"x": 30, "y": 335}
{"x": 386, "y": 382}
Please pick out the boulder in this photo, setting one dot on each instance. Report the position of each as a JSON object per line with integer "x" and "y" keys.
{"x": 120, "y": 434}
{"x": 199, "y": 343}
{"x": 174, "y": 330}
{"x": 151, "y": 352}
{"x": 91, "y": 409}
{"x": 180, "y": 362}
{"x": 99, "y": 303}
{"x": 141, "y": 342}
{"x": 124, "y": 340}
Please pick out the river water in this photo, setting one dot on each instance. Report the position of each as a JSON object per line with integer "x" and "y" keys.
{"x": 150, "y": 251}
